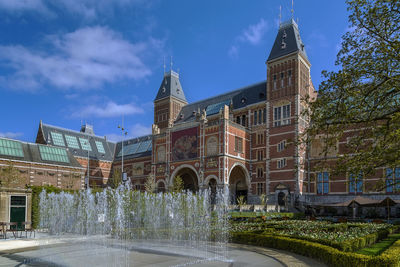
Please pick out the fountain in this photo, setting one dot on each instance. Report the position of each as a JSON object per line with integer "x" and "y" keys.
{"x": 184, "y": 224}
{"x": 122, "y": 227}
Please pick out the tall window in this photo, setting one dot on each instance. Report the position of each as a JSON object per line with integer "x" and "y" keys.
{"x": 282, "y": 76}
{"x": 282, "y": 115}
{"x": 281, "y": 163}
{"x": 255, "y": 117}
{"x": 238, "y": 144}
{"x": 244, "y": 120}
{"x": 274, "y": 81}
{"x": 238, "y": 119}
{"x": 356, "y": 183}
{"x": 281, "y": 145}
{"x": 289, "y": 77}
{"x": 260, "y": 188}
{"x": 260, "y": 172}
{"x": 392, "y": 180}
{"x": 259, "y": 116}
{"x": 264, "y": 115}
{"x": 323, "y": 183}
{"x": 260, "y": 155}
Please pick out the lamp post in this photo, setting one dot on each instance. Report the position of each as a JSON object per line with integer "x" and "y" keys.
{"x": 88, "y": 163}
{"x": 124, "y": 133}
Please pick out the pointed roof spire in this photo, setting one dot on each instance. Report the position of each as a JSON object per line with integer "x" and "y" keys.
{"x": 287, "y": 41}
{"x": 171, "y": 86}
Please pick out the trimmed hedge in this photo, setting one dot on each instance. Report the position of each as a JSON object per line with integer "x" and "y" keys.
{"x": 356, "y": 243}
{"x": 323, "y": 253}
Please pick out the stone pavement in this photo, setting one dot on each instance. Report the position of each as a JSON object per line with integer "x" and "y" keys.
{"x": 100, "y": 252}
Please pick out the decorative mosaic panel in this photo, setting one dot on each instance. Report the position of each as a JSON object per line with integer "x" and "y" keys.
{"x": 184, "y": 144}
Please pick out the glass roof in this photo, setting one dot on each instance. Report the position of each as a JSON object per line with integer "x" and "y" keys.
{"x": 100, "y": 147}
{"x": 143, "y": 146}
{"x": 72, "y": 141}
{"x": 11, "y": 148}
{"x": 53, "y": 154}
{"x": 85, "y": 144}
{"x": 138, "y": 147}
{"x": 58, "y": 139}
{"x": 215, "y": 108}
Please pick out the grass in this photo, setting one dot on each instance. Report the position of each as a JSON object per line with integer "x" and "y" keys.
{"x": 381, "y": 246}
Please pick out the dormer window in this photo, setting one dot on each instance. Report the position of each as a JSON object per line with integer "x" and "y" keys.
{"x": 178, "y": 90}
{"x": 283, "y": 44}
{"x": 284, "y": 34}
{"x": 243, "y": 100}
{"x": 164, "y": 89}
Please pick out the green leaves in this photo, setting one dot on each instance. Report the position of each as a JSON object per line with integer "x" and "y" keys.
{"x": 359, "y": 105}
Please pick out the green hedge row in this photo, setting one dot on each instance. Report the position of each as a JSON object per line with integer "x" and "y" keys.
{"x": 323, "y": 253}
{"x": 356, "y": 243}
{"x": 36, "y": 190}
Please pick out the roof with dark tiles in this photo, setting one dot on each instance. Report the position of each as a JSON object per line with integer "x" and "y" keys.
{"x": 238, "y": 98}
{"x": 170, "y": 86}
{"x": 287, "y": 41}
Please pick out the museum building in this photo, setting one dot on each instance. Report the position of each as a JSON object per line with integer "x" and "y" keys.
{"x": 244, "y": 139}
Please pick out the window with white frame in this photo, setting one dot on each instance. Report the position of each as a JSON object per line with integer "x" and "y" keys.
{"x": 274, "y": 81}
{"x": 356, "y": 183}
{"x": 322, "y": 183}
{"x": 281, "y": 145}
{"x": 260, "y": 155}
{"x": 282, "y": 76}
{"x": 392, "y": 180}
{"x": 289, "y": 77}
{"x": 282, "y": 115}
{"x": 281, "y": 163}
{"x": 255, "y": 117}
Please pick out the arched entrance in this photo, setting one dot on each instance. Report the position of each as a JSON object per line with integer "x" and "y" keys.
{"x": 238, "y": 184}
{"x": 189, "y": 178}
{"x": 160, "y": 187}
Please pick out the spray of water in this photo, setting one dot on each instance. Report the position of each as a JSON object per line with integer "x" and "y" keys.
{"x": 184, "y": 222}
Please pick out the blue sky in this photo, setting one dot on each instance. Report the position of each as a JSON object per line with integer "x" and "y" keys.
{"x": 67, "y": 61}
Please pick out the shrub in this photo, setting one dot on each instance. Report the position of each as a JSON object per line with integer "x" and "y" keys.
{"x": 323, "y": 253}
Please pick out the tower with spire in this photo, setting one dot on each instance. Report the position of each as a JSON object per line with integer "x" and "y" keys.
{"x": 288, "y": 81}
{"x": 169, "y": 100}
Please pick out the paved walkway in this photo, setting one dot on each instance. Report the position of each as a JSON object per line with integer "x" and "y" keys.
{"x": 79, "y": 251}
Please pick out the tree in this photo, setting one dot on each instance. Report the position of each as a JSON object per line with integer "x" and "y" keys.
{"x": 11, "y": 177}
{"x": 115, "y": 180}
{"x": 177, "y": 185}
{"x": 364, "y": 95}
{"x": 150, "y": 184}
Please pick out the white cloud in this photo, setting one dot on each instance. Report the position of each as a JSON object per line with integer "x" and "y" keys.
{"x": 23, "y": 5}
{"x": 86, "y": 58}
{"x": 139, "y": 130}
{"x": 87, "y": 9}
{"x": 111, "y": 109}
{"x": 10, "y": 135}
{"x": 252, "y": 35}
{"x": 233, "y": 51}
{"x": 135, "y": 130}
